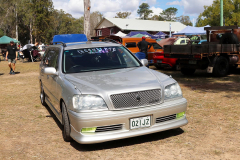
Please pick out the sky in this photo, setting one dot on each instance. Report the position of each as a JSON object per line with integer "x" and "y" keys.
{"x": 109, "y": 8}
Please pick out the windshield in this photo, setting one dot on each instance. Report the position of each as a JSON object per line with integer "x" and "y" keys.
{"x": 94, "y": 59}
{"x": 156, "y": 46}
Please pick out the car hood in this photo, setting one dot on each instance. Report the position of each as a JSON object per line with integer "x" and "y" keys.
{"x": 117, "y": 80}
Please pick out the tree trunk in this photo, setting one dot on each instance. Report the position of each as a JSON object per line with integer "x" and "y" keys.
{"x": 87, "y": 6}
{"x": 16, "y": 23}
{"x": 31, "y": 40}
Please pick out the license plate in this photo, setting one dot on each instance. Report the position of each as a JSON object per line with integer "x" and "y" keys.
{"x": 140, "y": 122}
{"x": 159, "y": 61}
{"x": 192, "y": 62}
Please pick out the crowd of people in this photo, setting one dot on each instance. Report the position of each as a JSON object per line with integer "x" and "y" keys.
{"x": 17, "y": 52}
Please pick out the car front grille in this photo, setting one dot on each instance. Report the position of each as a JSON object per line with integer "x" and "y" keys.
{"x": 109, "y": 128}
{"x": 136, "y": 99}
{"x": 165, "y": 118}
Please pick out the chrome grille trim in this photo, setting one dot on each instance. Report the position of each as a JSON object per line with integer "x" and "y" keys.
{"x": 136, "y": 99}
{"x": 165, "y": 118}
{"x": 109, "y": 128}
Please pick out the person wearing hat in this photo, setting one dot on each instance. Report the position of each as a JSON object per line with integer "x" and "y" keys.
{"x": 11, "y": 57}
{"x": 144, "y": 46}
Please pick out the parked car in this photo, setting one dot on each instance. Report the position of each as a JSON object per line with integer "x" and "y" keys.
{"x": 160, "y": 61}
{"x": 201, "y": 41}
{"x": 99, "y": 91}
{"x": 131, "y": 44}
{"x": 182, "y": 41}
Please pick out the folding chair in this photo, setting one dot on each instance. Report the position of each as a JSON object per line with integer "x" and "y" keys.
{"x": 35, "y": 55}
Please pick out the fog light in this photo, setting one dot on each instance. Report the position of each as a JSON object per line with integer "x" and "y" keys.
{"x": 89, "y": 130}
{"x": 180, "y": 115}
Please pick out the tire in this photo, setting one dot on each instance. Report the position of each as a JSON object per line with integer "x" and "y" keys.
{"x": 66, "y": 124}
{"x": 176, "y": 68}
{"x": 187, "y": 71}
{"x": 42, "y": 96}
{"x": 158, "y": 66}
{"x": 221, "y": 67}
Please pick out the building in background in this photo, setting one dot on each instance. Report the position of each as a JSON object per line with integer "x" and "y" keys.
{"x": 110, "y": 26}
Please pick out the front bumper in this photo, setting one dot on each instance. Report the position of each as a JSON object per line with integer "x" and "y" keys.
{"x": 106, "y": 118}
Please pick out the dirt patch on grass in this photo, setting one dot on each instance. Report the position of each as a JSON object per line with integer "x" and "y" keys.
{"x": 30, "y": 131}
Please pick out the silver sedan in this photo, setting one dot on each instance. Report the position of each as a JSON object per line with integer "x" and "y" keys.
{"x": 100, "y": 92}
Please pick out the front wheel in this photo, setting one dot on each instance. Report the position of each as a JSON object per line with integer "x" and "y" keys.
{"x": 66, "y": 124}
{"x": 188, "y": 71}
{"x": 221, "y": 67}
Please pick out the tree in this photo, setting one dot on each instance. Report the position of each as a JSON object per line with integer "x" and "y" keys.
{"x": 169, "y": 14}
{"x": 35, "y": 20}
{"x": 1, "y": 33}
{"x": 185, "y": 20}
{"x": 7, "y": 16}
{"x": 144, "y": 11}
{"x": 122, "y": 14}
{"x": 211, "y": 14}
{"x": 155, "y": 18}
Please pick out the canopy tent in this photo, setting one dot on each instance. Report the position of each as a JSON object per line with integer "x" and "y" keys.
{"x": 6, "y": 40}
{"x": 132, "y": 33}
{"x": 120, "y": 34}
{"x": 140, "y": 35}
{"x": 160, "y": 35}
{"x": 189, "y": 30}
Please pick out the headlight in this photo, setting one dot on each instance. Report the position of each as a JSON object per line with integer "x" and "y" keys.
{"x": 172, "y": 91}
{"x": 88, "y": 102}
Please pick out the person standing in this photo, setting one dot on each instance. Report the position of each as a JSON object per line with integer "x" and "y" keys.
{"x": 11, "y": 56}
{"x": 144, "y": 46}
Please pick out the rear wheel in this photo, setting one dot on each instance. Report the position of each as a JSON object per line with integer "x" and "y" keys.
{"x": 66, "y": 124}
{"x": 188, "y": 71}
{"x": 221, "y": 67}
{"x": 42, "y": 96}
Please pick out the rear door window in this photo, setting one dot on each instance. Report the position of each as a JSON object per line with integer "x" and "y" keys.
{"x": 156, "y": 46}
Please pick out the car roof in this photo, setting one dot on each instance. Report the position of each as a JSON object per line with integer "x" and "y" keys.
{"x": 88, "y": 44}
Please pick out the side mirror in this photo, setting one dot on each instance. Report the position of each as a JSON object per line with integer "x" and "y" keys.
{"x": 144, "y": 62}
{"x": 50, "y": 71}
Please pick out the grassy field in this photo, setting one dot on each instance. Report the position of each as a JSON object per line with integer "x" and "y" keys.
{"x": 29, "y": 130}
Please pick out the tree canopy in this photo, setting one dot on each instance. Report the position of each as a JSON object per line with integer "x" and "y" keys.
{"x": 122, "y": 14}
{"x": 185, "y": 20}
{"x": 211, "y": 14}
{"x": 144, "y": 11}
{"x": 169, "y": 14}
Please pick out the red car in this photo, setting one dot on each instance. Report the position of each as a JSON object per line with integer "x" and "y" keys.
{"x": 160, "y": 61}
